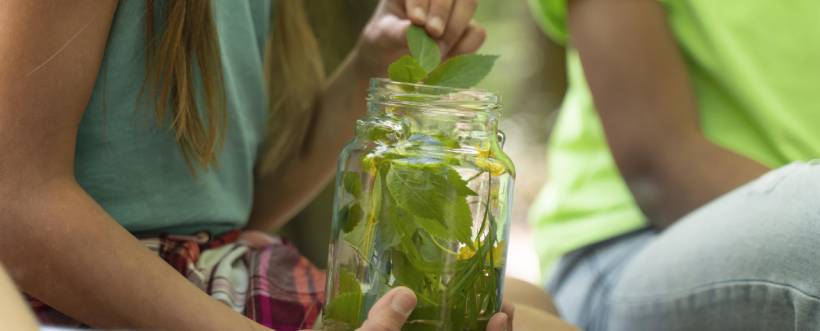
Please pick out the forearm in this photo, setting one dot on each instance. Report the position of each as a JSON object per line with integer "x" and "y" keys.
{"x": 279, "y": 196}
{"x": 65, "y": 250}
{"x": 641, "y": 88}
{"x": 690, "y": 174}
{"x": 670, "y": 167}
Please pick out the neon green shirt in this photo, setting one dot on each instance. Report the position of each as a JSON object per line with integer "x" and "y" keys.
{"x": 755, "y": 68}
{"x": 134, "y": 169}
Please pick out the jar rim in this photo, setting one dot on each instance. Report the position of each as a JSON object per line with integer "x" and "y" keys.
{"x": 386, "y": 90}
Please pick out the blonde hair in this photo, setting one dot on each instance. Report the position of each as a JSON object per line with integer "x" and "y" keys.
{"x": 189, "y": 42}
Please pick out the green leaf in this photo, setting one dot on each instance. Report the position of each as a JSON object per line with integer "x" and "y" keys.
{"x": 345, "y": 308}
{"x": 468, "y": 270}
{"x": 459, "y": 220}
{"x": 361, "y": 235}
{"x": 434, "y": 228}
{"x": 432, "y": 191}
{"x": 444, "y": 140}
{"x": 429, "y": 252}
{"x": 356, "y": 238}
{"x": 423, "y": 253}
{"x": 405, "y": 273}
{"x": 352, "y": 182}
{"x": 391, "y": 232}
{"x": 463, "y": 71}
{"x": 457, "y": 316}
{"x": 406, "y": 70}
{"x": 351, "y": 215}
{"x": 423, "y": 49}
{"x": 395, "y": 223}
{"x": 348, "y": 282}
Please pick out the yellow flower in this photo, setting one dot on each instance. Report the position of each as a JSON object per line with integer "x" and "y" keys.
{"x": 494, "y": 167}
{"x": 498, "y": 254}
{"x": 465, "y": 253}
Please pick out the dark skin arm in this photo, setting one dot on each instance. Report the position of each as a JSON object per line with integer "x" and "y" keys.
{"x": 648, "y": 108}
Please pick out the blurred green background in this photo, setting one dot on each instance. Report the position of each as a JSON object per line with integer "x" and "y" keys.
{"x": 529, "y": 76}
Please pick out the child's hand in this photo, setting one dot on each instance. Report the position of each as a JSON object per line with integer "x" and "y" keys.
{"x": 447, "y": 21}
{"x": 392, "y": 310}
{"x": 502, "y": 321}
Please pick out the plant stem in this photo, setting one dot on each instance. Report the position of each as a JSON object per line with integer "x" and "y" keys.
{"x": 371, "y": 215}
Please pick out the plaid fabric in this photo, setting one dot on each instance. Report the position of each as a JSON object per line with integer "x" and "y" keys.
{"x": 261, "y": 276}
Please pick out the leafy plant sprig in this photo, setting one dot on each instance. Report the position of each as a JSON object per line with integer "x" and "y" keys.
{"x": 409, "y": 216}
{"x": 423, "y": 64}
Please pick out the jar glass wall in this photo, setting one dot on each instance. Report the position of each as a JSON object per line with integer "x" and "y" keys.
{"x": 423, "y": 200}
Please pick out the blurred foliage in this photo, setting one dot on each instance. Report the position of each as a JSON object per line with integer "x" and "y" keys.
{"x": 529, "y": 76}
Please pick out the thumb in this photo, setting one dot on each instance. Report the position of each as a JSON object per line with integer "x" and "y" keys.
{"x": 391, "y": 311}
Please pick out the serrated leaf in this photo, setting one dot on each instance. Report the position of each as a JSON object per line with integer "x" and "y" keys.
{"x": 406, "y": 70}
{"x": 459, "y": 184}
{"x": 434, "y": 191}
{"x": 395, "y": 224}
{"x": 463, "y": 71}
{"x": 423, "y": 49}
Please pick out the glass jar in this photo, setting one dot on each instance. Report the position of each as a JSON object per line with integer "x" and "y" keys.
{"x": 423, "y": 200}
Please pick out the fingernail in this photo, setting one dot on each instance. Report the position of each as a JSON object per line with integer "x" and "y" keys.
{"x": 436, "y": 24}
{"x": 419, "y": 14}
{"x": 403, "y": 303}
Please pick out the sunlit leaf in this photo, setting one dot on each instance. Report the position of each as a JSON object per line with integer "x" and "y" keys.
{"x": 463, "y": 71}
{"x": 423, "y": 49}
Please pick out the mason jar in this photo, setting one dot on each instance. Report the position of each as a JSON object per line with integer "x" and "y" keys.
{"x": 423, "y": 200}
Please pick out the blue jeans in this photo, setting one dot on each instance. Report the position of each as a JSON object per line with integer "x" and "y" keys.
{"x": 749, "y": 260}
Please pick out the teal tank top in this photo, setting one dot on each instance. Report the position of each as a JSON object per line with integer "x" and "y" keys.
{"x": 134, "y": 169}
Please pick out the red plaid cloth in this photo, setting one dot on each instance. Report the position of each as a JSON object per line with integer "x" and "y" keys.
{"x": 263, "y": 277}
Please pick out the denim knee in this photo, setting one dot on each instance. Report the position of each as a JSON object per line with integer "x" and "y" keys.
{"x": 749, "y": 260}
